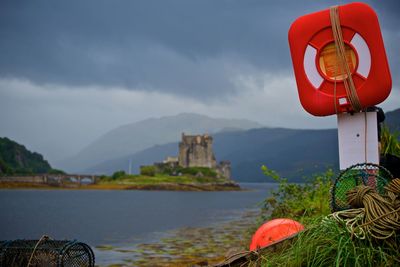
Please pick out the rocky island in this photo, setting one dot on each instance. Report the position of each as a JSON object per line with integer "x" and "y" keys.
{"x": 194, "y": 169}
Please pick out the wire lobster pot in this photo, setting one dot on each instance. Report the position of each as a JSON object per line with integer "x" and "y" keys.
{"x": 368, "y": 174}
{"x": 45, "y": 252}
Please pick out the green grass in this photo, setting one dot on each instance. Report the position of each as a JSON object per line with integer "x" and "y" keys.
{"x": 390, "y": 142}
{"x": 325, "y": 242}
{"x": 160, "y": 179}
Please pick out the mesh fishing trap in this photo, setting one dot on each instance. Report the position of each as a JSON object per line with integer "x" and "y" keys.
{"x": 369, "y": 174}
{"x": 45, "y": 252}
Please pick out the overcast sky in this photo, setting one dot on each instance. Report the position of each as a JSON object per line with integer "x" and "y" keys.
{"x": 72, "y": 70}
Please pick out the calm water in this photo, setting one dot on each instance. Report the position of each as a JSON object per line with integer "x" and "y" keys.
{"x": 117, "y": 217}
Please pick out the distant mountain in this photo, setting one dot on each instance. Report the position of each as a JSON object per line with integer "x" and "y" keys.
{"x": 145, "y": 157}
{"x": 393, "y": 119}
{"x": 138, "y": 136}
{"x": 16, "y": 159}
{"x": 293, "y": 153}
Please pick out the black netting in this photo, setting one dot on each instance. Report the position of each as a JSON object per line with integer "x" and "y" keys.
{"x": 45, "y": 253}
{"x": 360, "y": 174}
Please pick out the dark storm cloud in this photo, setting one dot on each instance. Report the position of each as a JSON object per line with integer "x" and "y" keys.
{"x": 189, "y": 48}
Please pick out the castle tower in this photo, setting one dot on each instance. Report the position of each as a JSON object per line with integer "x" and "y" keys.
{"x": 196, "y": 151}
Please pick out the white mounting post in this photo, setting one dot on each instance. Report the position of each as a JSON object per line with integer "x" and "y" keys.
{"x": 358, "y": 138}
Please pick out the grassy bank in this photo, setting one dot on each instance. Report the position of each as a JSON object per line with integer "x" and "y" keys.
{"x": 160, "y": 179}
{"x": 325, "y": 242}
{"x": 139, "y": 182}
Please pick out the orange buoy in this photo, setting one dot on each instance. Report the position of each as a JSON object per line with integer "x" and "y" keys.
{"x": 273, "y": 231}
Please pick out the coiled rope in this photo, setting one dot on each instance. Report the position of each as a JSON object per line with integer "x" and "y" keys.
{"x": 372, "y": 214}
{"x": 342, "y": 62}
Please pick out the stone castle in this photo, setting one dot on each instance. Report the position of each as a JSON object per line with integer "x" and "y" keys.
{"x": 197, "y": 151}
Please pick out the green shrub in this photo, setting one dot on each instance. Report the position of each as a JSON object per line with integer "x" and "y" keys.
{"x": 299, "y": 201}
{"x": 390, "y": 142}
{"x": 118, "y": 174}
{"x": 5, "y": 169}
{"x": 148, "y": 170}
{"x": 105, "y": 178}
{"x": 166, "y": 169}
{"x": 196, "y": 170}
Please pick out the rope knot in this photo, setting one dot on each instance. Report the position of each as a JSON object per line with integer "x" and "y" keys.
{"x": 356, "y": 196}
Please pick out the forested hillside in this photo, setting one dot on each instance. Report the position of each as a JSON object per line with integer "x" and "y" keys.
{"x": 16, "y": 159}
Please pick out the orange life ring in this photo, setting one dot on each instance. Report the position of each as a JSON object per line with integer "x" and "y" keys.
{"x": 320, "y": 87}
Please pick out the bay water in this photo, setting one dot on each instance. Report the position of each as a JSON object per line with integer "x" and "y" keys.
{"x": 118, "y": 218}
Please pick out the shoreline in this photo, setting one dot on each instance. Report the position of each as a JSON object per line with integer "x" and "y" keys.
{"x": 186, "y": 246}
{"x": 229, "y": 186}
